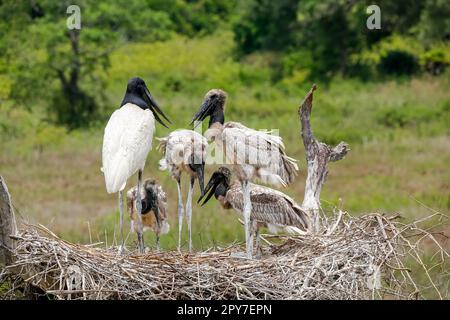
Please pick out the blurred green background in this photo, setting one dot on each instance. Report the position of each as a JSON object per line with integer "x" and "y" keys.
{"x": 385, "y": 92}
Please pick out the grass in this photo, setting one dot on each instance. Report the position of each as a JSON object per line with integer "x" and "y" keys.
{"x": 398, "y": 132}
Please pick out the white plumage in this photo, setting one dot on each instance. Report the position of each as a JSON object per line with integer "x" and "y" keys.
{"x": 126, "y": 144}
{"x": 178, "y": 147}
{"x": 184, "y": 151}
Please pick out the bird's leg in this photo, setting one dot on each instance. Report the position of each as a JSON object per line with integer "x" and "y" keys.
{"x": 157, "y": 228}
{"x": 251, "y": 234}
{"x": 247, "y": 212}
{"x": 258, "y": 249}
{"x": 189, "y": 212}
{"x": 157, "y": 242}
{"x": 140, "y": 228}
{"x": 180, "y": 213}
{"x": 121, "y": 247}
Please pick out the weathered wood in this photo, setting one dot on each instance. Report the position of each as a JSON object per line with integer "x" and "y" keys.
{"x": 318, "y": 155}
{"x": 8, "y": 225}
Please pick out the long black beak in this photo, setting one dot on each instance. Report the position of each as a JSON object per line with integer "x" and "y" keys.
{"x": 155, "y": 108}
{"x": 200, "y": 170}
{"x": 202, "y": 113}
{"x": 210, "y": 188}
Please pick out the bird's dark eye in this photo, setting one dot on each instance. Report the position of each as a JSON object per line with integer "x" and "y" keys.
{"x": 214, "y": 96}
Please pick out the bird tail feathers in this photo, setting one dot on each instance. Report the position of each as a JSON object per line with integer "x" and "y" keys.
{"x": 274, "y": 229}
{"x": 116, "y": 174}
{"x": 268, "y": 177}
{"x": 294, "y": 230}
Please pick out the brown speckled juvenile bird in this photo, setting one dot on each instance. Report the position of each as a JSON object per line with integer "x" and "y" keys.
{"x": 154, "y": 209}
{"x": 270, "y": 207}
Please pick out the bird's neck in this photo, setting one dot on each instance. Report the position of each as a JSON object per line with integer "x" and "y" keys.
{"x": 146, "y": 206}
{"x": 217, "y": 117}
{"x": 221, "y": 190}
{"x": 134, "y": 99}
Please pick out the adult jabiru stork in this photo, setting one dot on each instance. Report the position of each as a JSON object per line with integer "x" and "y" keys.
{"x": 126, "y": 142}
{"x": 253, "y": 154}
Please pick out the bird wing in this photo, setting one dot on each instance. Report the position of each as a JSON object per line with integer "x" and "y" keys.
{"x": 261, "y": 149}
{"x": 162, "y": 202}
{"x": 269, "y": 206}
{"x": 126, "y": 143}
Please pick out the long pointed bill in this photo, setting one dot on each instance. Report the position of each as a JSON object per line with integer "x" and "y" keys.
{"x": 157, "y": 118}
{"x": 200, "y": 170}
{"x": 210, "y": 189}
{"x": 155, "y": 108}
{"x": 202, "y": 113}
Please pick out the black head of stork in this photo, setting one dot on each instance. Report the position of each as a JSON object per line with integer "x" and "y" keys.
{"x": 137, "y": 93}
{"x": 213, "y": 106}
{"x": 150, "y": 201}
{"x": 218, "y": 185}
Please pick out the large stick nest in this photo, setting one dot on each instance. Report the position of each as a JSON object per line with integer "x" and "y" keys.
{"x": 365, "y": 257}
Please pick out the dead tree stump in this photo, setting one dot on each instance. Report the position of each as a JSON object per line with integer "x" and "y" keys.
{"x": 318, "y": 155}
{"x": 7, "y": 225}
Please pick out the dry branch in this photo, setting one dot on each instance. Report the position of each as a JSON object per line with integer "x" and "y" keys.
{"x": 7, "y": 225}
{"x": 318, "y": 155}
{"x": 362, "y": 258}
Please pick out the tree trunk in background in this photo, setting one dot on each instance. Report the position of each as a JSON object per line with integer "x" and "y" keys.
{"x": 318, "y": 155}
{"x": 72, "y": 88}
{"x": 77, "y": 107}
{"x": 7, "y": 225}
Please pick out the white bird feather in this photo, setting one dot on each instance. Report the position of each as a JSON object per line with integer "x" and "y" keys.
{"x": 127, "y": 141}
{"x": 178, "y": 147}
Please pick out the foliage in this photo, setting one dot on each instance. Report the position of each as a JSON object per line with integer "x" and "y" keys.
{"x": 331, "y": 35}
{"x": 398, "y": 63}
{"x": 434, "y": 24}
{"x": 266, "y": 25}
{"x": 44, "y": 63}
{"x": 193, "y": 18}
{"x": 436, "y": 59}
{"x": 64, "y": 76}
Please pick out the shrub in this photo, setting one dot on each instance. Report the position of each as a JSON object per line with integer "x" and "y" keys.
{"x": 435, "y": 60}
{"x": 397, "y": 62}
{"x": 394, "y": 55}
{"x": 399, "y": 117}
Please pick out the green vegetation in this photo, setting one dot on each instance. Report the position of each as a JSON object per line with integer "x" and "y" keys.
{"x": 386, "y": 93}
